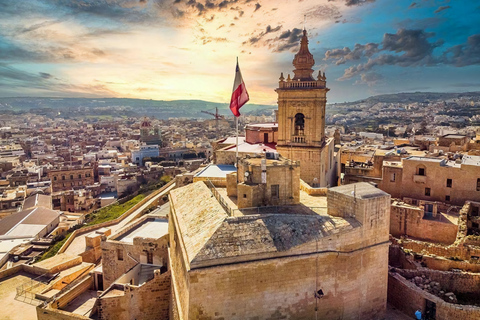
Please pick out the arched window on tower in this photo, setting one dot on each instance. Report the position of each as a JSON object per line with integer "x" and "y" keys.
{"x": 299, "y": 124}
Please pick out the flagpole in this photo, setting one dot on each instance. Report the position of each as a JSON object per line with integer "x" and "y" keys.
{"x": 236, "y": 143}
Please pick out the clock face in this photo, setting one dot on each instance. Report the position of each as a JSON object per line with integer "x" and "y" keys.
{"x": 247, "y": 174}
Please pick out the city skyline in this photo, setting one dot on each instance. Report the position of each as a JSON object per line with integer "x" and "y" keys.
{"x": 187, "y": 49}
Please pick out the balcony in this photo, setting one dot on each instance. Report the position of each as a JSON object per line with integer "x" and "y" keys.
{"x": 298, "y": 139}
{"x": 419, "y": 179}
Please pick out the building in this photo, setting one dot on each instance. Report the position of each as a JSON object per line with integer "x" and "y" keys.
{"x": 301, "y": 121}
{"x": 149, "y": 134}
{"x": 71, "y": 177}
{"x": 145, "y": 151}
{"x": 433, "y": 179}
{"x": 279, "y": 261}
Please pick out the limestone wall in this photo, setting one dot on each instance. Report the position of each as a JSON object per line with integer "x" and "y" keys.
{"x": 354, "y": 285}
{"x": 407, "y": 297}
{"x": 55, "y": 314}
{"x": 148, "y": 301}
{"x": 131, "y": 254}
{"x": 408, "y": 220}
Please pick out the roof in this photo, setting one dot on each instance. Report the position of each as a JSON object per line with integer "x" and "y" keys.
{"x": 209, "y": 234}
{"x": 38, "y": 200}
{"x": 216, "y": 171}
{"x": 149, "y": 228}
{"x": 454, "y": 136}
{"x": 253, "y": 148}
{"x": 471, "y": 160}
{"x": 416, "y": 158}
{"x": 362, "y": 190}
{"x": 15, "y": 224}
{"x": 262, "y": 125}
{"x": 232, "y": 140}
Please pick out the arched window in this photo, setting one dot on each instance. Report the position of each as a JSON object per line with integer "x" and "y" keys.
{"x": 299, "y": 124}
{"x": 421, "y": 170}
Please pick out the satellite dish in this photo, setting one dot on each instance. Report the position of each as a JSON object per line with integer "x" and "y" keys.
{"x": 247, "y": 174}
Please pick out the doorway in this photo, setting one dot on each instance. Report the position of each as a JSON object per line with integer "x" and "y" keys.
{"x": 430, "y": 310}
{"x": 265, "y": 137}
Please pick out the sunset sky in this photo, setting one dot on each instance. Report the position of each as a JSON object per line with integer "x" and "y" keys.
{"x": 186, "y": 49}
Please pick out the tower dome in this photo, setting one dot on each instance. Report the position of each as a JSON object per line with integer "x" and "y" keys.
{"x": 303, "y": 61}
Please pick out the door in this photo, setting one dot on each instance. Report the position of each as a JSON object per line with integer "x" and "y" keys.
{"x": 430, "y": 310}
{"x": 265, "y": 137}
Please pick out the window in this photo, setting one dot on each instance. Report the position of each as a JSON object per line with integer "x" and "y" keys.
{"x": 421, "y": 171}
{"x": 54, "y": 178}
{"x": 275, "y": 191}
{"x": 244, "y": 195}
{"x": 447, "y": 198}
{"x": 120, "y": 254}
{"x": 63, "y": 177}
{"x": 392, "y": 177}
{"x": 71, "y": 177}
{"x": 79, "y": 176}
{"x": 427, "y": 191}
{"x": 449, "y": 183}
{"x": 299, "y": 124}
{"x": 150, "y": 257}
{"x": 478, "y": 184}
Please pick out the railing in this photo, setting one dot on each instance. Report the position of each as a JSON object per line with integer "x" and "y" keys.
{"x": 280, "y": 209}
{"x": 298, "y": 139}
{"x": 302, "y": 84}
{"x": 219, "y": 197}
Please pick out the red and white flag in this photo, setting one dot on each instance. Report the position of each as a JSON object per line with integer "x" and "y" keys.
{"x": 239, "y": 94}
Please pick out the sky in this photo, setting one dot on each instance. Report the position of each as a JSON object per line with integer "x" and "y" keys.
{"x": 187, "y": 49}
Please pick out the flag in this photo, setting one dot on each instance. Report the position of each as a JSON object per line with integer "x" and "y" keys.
{"x": 239, "y": 94}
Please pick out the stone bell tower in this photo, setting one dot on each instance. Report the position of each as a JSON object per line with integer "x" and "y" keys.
{"x": 301, "y": 119}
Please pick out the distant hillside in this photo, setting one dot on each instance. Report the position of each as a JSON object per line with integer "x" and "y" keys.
{"x": 409, "y": 97}
{"x": 73, "y": 107}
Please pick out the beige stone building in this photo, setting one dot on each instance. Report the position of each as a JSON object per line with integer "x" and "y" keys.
{"x": 69, "y": 178}
{"x": 322, "y": 256}
{"x": 301, "y": 121}
{"x": 433, "y": 179}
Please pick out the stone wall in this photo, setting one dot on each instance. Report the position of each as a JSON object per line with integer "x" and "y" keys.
{"x": 407, "y": 297}
{"x": 148, "y": 301}
{"x": 354, "y": 287}
{"x": 55, "y": 314}
{"x": 457, "y": 282}
{"x": 406, "y": 220}
{"x": 131, "y": 254}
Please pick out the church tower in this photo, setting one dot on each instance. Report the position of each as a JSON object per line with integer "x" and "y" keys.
{"x": 301, "y": 120}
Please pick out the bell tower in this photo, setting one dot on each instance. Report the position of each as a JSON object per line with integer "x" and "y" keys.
{"x": 301, "y": 117}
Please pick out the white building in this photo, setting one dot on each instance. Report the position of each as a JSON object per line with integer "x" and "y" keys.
{"x": 145, "y": 151}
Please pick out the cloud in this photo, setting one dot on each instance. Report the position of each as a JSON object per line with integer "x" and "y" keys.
{"x": 357, "y": 2}
{"x": 464, "y": 54}
{"x": 404, "y": 48}
{"x": 39, "y": 25}
{"x": 45, "y": 75}
{"x": 440, "y": 9}
{"x": 370, "y": 78}
{"x": 330, "y": 12}
{"x": 359, "y": 51}
{"x": 413, "y": 5}
{"x": 288, "y": 39}
{"x": 257, "y": 38}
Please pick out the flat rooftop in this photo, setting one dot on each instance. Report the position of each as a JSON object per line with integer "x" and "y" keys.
{"x": 471, "y": 160}
{"x": 216, "y": 171}
{"x": 416, "y": 158}
{"x": 150, "y": 228}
